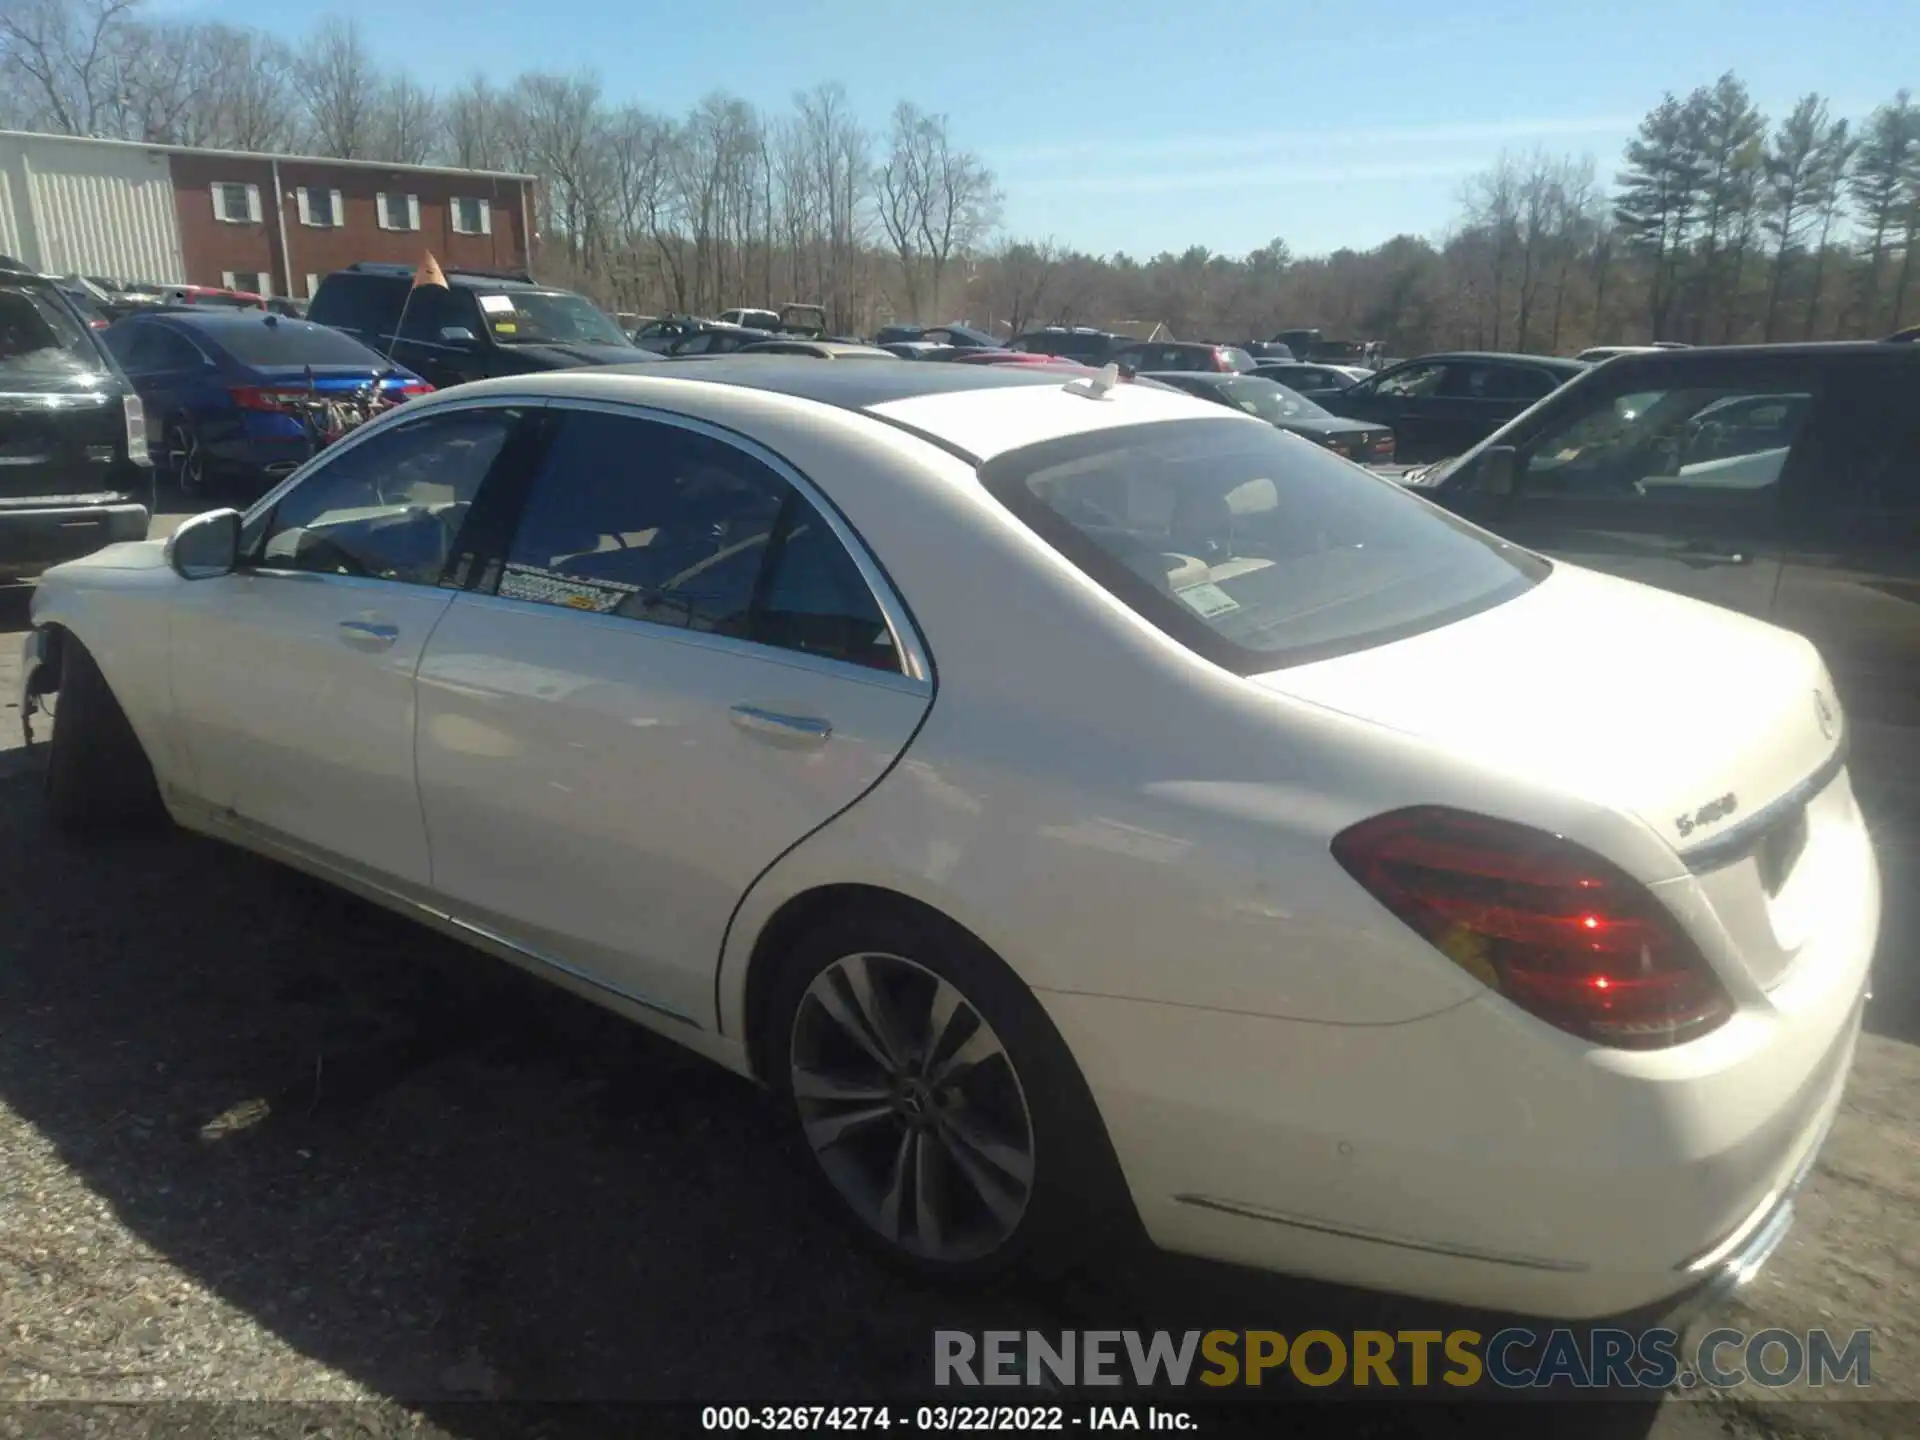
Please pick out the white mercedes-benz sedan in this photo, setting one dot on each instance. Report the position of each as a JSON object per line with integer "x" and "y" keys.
{"x": 1092, "y": 810}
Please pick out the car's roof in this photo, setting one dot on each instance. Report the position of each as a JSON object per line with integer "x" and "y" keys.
{"x": 217, "y": 323}
{"x": 1551, "y": 362}
{"x": 957, "y": 407}
{"x": 1804, "y": 350}
{"x": 830, "y": 349}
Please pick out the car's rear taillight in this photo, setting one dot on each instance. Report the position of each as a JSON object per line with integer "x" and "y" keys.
{"x": 261, "y": 397}
{"x": 1384, "y": 445}
{"x": 136, "y": 418}
{"x": 1562, "y": 933}
{"x": 412, "y": 388}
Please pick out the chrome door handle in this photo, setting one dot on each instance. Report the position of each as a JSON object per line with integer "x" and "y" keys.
{"x": 756, "y": 721}
{"x": 369, "y": 634}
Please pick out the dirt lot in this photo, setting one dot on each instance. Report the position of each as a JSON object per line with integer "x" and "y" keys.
{"x": 262, "y": 1143}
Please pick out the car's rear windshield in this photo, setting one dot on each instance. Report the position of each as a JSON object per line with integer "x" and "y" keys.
{"x": 1256, "y": 548}
{"x": 291, "y": 342}
{"x": 39, "y": 336}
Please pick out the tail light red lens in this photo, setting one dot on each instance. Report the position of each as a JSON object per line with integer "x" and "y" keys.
{"x": 261, "y": 397}
{"x": 412, "y": 388}
{"x": 1562, "y": 933}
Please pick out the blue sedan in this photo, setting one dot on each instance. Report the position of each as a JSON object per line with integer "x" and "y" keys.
{"x": 215, "y": 384}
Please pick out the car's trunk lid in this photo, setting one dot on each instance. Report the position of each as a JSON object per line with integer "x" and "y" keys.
{"x": 1721, "y": 733}
{"x": 1688, "y": 716}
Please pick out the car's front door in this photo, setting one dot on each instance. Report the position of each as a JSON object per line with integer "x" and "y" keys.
{"x": 431, "y": 311}
{"x": 293, "y": 677}
{"x": 682, "y": 670}
{"x": 1629, "y": 482}
{"x": 1852, "y": 576}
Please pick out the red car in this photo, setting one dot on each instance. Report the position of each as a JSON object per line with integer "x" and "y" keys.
{"x": 1011, "y": 357}
{"x": 212, "y": 295}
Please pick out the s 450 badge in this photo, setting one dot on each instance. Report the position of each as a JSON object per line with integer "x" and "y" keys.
{"x": 1707, "y": 814}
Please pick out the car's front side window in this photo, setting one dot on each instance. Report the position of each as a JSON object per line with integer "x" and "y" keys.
{"x": 1413, "y": 381}
{"x": 1694, "y": 442}
{"x": 388, "y": 508}
{"x": 657, "y": 523}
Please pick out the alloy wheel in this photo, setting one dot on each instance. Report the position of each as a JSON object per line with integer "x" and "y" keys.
{"x": 913, "y": 1107}
{"x": 186, "y": 461}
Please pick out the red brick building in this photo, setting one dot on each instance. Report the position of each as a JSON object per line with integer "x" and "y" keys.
{"x": 270, "y": 223}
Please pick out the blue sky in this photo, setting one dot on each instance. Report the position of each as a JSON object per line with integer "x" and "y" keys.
{"x": 1137, "y": 126}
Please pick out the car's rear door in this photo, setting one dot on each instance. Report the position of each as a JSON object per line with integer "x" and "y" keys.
{"x": 683, "y": 665}
{"x": 1851, "y": 580}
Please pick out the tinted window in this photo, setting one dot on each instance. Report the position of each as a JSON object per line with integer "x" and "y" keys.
{"x": 1868, "y": 440}
{"x": 40, "y": 336}
{"x": 431, "y": 309}
{"x": 693, "y": 344}
{"x": 1250, "y": 547}
{"x": 359, "y": 302}
{"x": 1697, "y": 442}
{"x": 388, "y": 507}
{"x": 1268, "y": 400}
{"x": 652, "y": 522}
{"x": 144, "y": 349}
{"x": 1411, "y": 381}
{"x": 291, "y": 342}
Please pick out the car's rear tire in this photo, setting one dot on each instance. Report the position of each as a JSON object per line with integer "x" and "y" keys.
{"x": 98, "y": 778}
{"x": 186, "y": 459}
{"x": 939, "y": 1103}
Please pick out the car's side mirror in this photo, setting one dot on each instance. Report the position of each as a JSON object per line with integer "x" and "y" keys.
{"x": 205, "y": 546}
{"x": 1497, "y": 466}
{"x": 457, "y": 335}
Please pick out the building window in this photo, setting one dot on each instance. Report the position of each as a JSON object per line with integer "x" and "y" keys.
{"x": 252, "y": 282}
{"x": 472, "y": 217}
{"x": 321, "y": 209}
{"x": 236, "y": 203}
{"x": 399, "y": 212}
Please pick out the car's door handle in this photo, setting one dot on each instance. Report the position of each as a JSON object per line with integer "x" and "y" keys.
{"x": 369, "y": 634}
{"x": 776, "y": 725}
{"x": 1701, "y": 557}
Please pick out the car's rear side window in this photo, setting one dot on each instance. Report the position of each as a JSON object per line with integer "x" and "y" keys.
{"x": 1253, "y": 547}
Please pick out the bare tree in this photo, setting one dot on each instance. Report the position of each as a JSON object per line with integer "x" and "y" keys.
{"x": 1492, "y": 203}
{"x": 61, "y": 53}
{"x": 340, "y": 88}
{"x": 936, "y": 200}
{"x": 405, "y": 124}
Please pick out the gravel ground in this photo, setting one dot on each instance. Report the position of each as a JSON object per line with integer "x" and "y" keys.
{"x": 260, "y": 1143}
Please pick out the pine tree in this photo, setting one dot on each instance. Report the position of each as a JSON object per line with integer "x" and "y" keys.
{"x": 1792, "y": 190}
{"x": 1879, "y": 185}
{"x": 1832, "y": 160}
{"x": 1732, "y": 132}
{"x": 1659, "y": 200}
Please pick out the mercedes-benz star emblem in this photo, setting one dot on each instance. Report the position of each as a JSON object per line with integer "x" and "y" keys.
{"x": 1823, "y": 712}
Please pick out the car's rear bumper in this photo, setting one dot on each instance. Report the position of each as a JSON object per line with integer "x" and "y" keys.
{"x": 32, "y": 537}
{"x": 1476, "y": 1156}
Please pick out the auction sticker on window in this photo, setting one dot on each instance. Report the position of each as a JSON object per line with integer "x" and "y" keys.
{"x": 1207, "y": 600}
{"x": 497, "y": 304}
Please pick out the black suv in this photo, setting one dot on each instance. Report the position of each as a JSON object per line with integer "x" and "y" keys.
{"x": 482, "y": 325}
{"x": 74, "y": 473}
{"x": 1781, "y": 480}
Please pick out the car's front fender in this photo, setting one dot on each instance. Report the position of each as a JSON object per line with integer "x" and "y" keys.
{"x": 114, "y": 602}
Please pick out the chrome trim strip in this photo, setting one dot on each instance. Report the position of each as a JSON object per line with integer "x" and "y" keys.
{"x": 915, "y": 664}
{"x": 1734, "y": 844}
{"x": 496, "y": 938}
{"x": 1431, "y": 1247}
